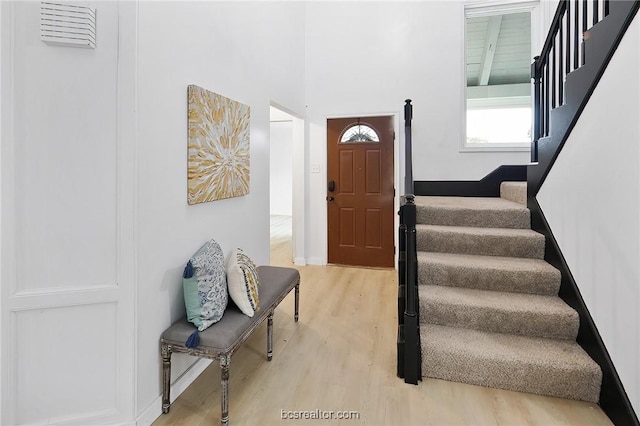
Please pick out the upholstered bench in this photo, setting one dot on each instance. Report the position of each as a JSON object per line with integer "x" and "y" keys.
{"x": 223, "y": 338}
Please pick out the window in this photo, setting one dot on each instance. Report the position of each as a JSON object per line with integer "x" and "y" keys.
{"x": 498, "y": 125}
{"x": 359, "y": 133}
{"x": 498, "y": 83}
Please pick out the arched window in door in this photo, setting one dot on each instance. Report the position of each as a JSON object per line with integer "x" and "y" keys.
{"x": 359, "y": 133}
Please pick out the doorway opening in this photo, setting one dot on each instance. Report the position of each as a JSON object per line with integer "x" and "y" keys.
{"x": 281, "y": 148}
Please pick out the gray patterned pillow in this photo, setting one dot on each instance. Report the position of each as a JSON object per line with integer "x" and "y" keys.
{"x": 206, "y": 301}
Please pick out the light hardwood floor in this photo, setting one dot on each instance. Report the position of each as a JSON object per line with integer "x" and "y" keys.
{"x": 341, "y": 356}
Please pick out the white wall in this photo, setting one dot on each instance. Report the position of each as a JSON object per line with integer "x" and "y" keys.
{"x": 250, "y": 52}
{"x": 66, "y": 221}
{"x": 281, "y": 169}
{"x": 367, "y": 58}
{"x": 5, "y": 59}
{"x": 547, "y": 12}
{"x": 94, "y": 222}
{"x": 591, "y": 199}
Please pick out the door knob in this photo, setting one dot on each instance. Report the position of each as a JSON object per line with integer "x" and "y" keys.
{"x": 329, "y": 198}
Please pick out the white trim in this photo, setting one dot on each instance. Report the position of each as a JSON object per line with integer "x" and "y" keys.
{"x": 506, "y": 147}
{"x": 398, "y": 181}
{"x": 503, "y": 102}
{"x": 299, "y": 171}
{"x": 3, "y": 61}
{"x": 499, "y": 91}
{"x": 477, "y": 8}
{"x": 127, "y": 205}
{"x": 7, "y": 214}
{"x": 2, "y": 374}
{"x": 154, "y": 410}
{"x": 285, "y": 110}
{"x": 96, "y": 417}
{"x": 316, "y": 261}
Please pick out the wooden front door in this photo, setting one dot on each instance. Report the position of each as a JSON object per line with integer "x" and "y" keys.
{"x": 360, "y": 191}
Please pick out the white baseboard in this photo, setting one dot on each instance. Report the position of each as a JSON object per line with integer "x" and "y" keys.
{"x": 154, "y": 410}
{"x": 317, "y": 261}
{"x": 300, "y": 261}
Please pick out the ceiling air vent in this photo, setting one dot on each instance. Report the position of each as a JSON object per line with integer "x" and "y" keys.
{"x": 68, "y": 25}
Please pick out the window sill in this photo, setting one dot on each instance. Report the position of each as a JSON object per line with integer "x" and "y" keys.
{"x": 495, "y": 148}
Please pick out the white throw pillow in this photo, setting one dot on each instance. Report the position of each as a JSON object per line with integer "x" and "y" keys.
{"x": 243, "y": 282}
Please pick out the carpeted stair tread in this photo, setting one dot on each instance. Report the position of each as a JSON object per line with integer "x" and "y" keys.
{"x": 514, "y": 191}
{"x": 481, "y": 241}
{"x": 490, "y": 212}
{"x": 489, "y": 307}
{"x": 488, "y": 273}
{"x": 502, "y": 312}
{"x": 527, "y": 364}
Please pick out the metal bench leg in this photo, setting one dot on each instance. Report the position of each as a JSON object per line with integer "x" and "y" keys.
{"x": 166, "y": 377}
{"x": 297, "y": 301}
{"x": 225, "y": 360}
{"x": 270, "y": 336}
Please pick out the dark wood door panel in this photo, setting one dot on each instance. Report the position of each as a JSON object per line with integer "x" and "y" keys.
{"x": 373, "y": 228}
{"x": 373, "y": 172}
{"x": 346, "y": 178}
{"x": 347, "y": 227}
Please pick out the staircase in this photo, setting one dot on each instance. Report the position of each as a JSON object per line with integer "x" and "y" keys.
{"x": 490, "y": 313}
{"x": 477, "y": 302}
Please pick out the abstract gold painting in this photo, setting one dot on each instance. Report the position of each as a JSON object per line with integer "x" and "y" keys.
{"x": 218, "y": 157}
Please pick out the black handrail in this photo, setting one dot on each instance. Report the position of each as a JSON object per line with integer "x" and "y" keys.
{"x": 409, "y": 352}
{"x": 537, "y": 110}
{"x": 565, "y": 51}
{"x": 555, "y": 61}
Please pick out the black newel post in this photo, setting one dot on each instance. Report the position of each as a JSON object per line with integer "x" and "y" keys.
{"x": 408, "y": 162}
{"x": 536, "y": 75}
{"x": 412, "y": 355}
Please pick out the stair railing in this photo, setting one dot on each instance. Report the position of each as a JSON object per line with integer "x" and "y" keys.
{"x": 409, "y": 352}
{"x": 583, "y": 38}
{"x": 566, "y": 50}
{"x": 563, "y": 52}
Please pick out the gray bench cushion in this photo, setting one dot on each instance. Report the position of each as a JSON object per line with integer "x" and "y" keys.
{"x": 275, "y": 284}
